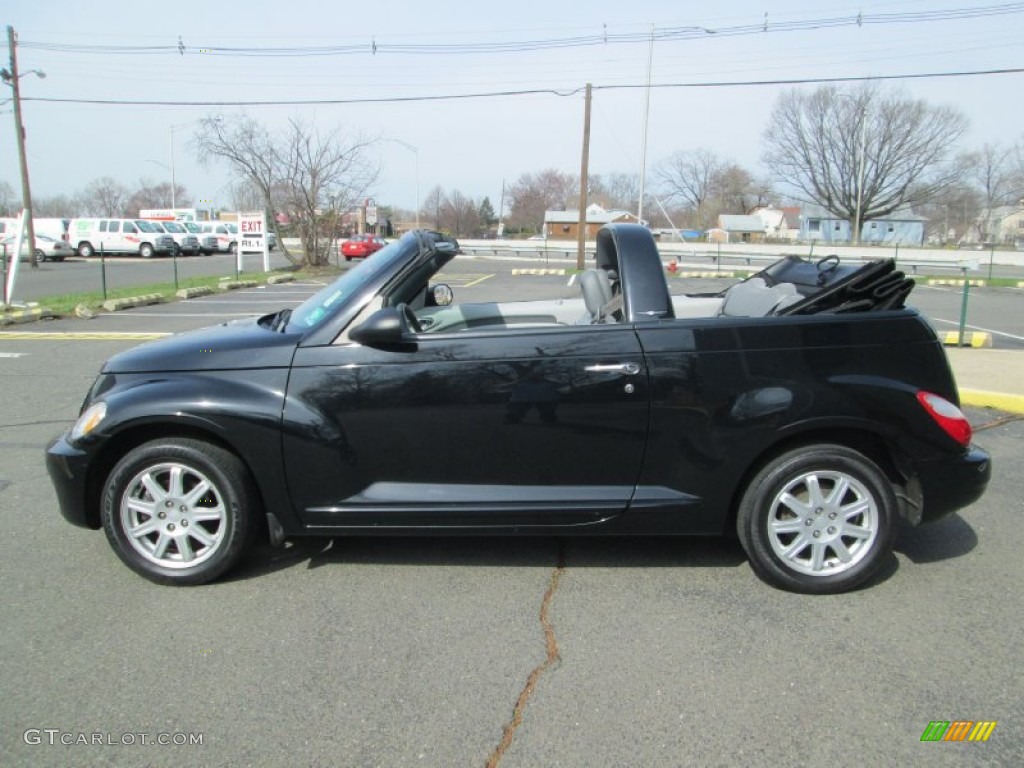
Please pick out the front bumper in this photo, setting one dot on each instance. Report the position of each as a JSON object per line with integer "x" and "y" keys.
{"x": 67, "y": 466}
{"x": 951, "y": 484}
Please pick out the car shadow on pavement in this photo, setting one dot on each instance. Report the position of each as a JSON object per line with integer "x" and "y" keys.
{"x": 942, "y": 540}
{"x": 525, "y": 551}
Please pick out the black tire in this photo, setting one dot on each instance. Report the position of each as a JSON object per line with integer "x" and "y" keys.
{"x": 41, "y": 255}
{"x": 146, "y": 251}
{"x": 822, "y": 541}
{"x": 208, "y": 528}
{"x": 233, "y": 248}
{"x": 85, "y": 250}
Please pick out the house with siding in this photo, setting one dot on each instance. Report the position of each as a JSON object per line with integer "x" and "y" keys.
{"x": 898, "y": 228}
{"x": 779, "y": 223}
{"x": 1002, "y": 225}
{"x": 734, "y": 228}
{"x": 564, "y": 225}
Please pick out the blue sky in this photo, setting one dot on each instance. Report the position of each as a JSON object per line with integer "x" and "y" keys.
{"x": 471, "y": 144}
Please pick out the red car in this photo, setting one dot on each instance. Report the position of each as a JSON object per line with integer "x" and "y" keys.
{"x": 361, "y": 246}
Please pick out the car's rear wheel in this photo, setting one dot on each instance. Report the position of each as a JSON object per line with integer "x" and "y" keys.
{"x": 146, "y": 251}
{"x": 818, "y": 519}
{"x": 179, "y": 511}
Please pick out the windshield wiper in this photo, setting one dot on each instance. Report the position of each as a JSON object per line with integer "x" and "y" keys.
{"x": 281, "y": 320}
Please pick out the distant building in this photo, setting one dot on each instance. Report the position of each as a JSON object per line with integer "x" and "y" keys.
{"x": 901, "y": 227}
{"x": 1002, "y": 225}
{"x": 779, "y": 223}
{"x": 737, "y": 229}
{"x": 564, "y": 225}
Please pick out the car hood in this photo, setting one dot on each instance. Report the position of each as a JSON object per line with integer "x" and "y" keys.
{"x": 235, "y": 345}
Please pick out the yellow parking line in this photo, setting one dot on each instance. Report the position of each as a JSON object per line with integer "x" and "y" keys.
{"x": 476, "y": 282}
{"x": 79, "y": 336}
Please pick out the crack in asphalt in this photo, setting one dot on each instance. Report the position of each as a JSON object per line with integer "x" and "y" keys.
{"x": 552, "y": 657}
{"x": 998, "y": 422}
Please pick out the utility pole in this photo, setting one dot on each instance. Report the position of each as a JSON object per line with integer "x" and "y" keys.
{"x": 19, "y": 131}
{"x": 581, "y": 236}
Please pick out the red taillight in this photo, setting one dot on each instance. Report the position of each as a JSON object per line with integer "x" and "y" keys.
{"x": 947, "y": 416}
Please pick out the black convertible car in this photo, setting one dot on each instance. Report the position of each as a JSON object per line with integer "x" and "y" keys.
{"x": 805, "y": 409}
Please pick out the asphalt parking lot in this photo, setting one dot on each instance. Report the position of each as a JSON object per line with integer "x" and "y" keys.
{"x": 451, "y": 652}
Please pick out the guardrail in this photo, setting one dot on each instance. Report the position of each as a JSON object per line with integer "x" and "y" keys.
{"x": 930, "y": 259}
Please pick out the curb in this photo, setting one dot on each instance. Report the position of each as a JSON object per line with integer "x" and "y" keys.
{"x": 1000, "y": 401}
{"x": 958, "y": 283}
{"x": 191, "y": 293}
{"x": 520, "y": 272}
{"x": 113, "y": 305}
{"x": 25, "y": 315}
{"x": 275, "y": 279}
{"x": 231, "y": 285}
{"x": 973, "y": 339}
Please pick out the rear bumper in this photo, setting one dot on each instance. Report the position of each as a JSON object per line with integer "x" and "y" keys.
{"x": 951, "y": 484}
{"x": 67, "y": 468}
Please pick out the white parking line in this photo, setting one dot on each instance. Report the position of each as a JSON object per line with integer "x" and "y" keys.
{"x": 979, "y": 328}
{"x": 13, "y": 354}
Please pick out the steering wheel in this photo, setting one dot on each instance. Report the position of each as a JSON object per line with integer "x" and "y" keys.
{"x": 410, "y": 319}
{"x": 828, "y": 263}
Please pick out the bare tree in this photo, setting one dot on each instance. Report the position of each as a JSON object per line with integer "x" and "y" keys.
{"x": 622, "y": 191}
{"x": 301, "y": 171}
{"x": 991, "y": 169}
{"x": 864, "y": 153}
{"x": 104, "y": 197}
{"x": 8, "y": 200}
{"x": 532, "y": 195}
{"x": 688, "y": 178}
{"x": 150, "y": 195}
{"x": 432, "y": 205}
{"x": 460, "y": 215}
{"x": 54, "y": 206}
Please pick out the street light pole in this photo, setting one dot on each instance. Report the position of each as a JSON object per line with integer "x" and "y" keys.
{"x": 12, "y": 78}
{"x": 174, "y": 183}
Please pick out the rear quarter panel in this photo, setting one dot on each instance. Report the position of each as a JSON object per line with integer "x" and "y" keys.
{"x": 728, "y": 393}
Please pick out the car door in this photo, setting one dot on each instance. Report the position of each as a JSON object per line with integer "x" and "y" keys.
{"x": 534, "y": 427}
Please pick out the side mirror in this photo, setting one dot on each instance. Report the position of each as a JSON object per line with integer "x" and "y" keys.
{"x": 441, "y": 295}
{"x": 383, "y": 327}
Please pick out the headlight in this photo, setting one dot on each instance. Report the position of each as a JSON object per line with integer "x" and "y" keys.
{"x": 89, "y": 420}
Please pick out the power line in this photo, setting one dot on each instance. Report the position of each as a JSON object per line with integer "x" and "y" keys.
{"x": 523, "y": 92}
{"x": 380, "y": 47}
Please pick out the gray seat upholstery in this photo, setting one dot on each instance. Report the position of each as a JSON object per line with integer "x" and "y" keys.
{"x": 597, "y": 294}
{"x": 753, "y": 298}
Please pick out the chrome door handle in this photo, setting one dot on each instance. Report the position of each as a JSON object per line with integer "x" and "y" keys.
{"x": 629, "y": 369}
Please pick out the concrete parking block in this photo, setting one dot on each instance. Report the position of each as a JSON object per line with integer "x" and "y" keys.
{"x": 113, "y": 305}
{"x": 12, "y": 317}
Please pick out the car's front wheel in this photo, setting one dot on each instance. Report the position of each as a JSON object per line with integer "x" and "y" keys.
{"x": 179, "y": 511}
{"x": 85, "y": 250}
{"x": 818, "y": 519}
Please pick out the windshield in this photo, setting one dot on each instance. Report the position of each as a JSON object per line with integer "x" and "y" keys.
{"x": 148, "y": 226}
{"x": 193, "y": 228}
{"x": 321, "y": 305}
{"x": 173, "y": 226}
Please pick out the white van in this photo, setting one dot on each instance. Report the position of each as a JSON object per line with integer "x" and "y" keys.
{"x": 54, "y": 228}
{"x": 187, "y": 243}
{"x": 207, "y": 241}
{"x": 226, "y": 233}
{"x": 136, "y": 237}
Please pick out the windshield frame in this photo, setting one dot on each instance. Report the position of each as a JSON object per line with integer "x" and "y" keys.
{"x": 338, "y": 302}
